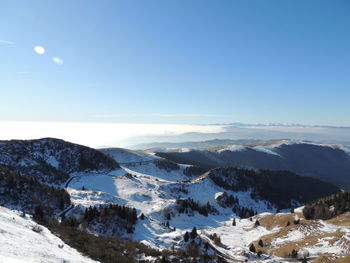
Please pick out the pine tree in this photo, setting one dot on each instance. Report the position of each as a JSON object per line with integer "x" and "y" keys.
{"x": 294, "y": 253}
{"x": 194, "y": 233}
{"x": 257, "y": 223}
{"x": 142, "y": 216}
{"x": 252, "y": 248}
{"x": 261, "y": 243}
{"x": 234, "y": 222}
{"x": 38, "y": 213}
{"x": 259, "y": 254}
{"x": 186, "y": 236}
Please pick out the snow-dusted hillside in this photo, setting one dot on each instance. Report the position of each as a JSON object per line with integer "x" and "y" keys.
{"x": 169, "y": 199}
{"x": 155, "y": 192}
{"x": 156, "y": 197}
{"x": 128, "y": 156}
{"x": 24, "y": 241}
{"x": 51, "y": 160}
{"x": 329, "y": 163}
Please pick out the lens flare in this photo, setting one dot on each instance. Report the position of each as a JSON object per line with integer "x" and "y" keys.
{"x": 57, "y": 60}
{"x": 39, "y": 50}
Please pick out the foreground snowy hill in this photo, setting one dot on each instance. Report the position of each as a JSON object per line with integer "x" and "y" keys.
{"x": 24, "y": 241}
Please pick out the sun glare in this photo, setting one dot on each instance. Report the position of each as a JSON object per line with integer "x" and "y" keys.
{"x": 39, "y": 50}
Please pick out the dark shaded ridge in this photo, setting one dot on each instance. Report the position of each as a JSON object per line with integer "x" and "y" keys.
{"x": 328, "y": 207}
{"x": 326, "y": 163}
{"x": 278, "y": 187}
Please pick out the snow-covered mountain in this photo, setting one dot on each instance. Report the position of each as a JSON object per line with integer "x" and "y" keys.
{"x": 160, "y": 203}
{"x": 173, "y": 203}
{"x": 326, "y": 162}
{"x": 51, "y": 160}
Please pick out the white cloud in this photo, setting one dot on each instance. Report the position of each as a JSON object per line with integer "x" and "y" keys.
{"x": 161, "y": 115}
{"x": 175, "y": 115}
{"x": 7, "y": 42}
{"x": 95, "y": 134}
{"x": 107, "y": 116}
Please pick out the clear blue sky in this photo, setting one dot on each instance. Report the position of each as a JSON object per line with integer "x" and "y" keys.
{"x": 177, "y": 61}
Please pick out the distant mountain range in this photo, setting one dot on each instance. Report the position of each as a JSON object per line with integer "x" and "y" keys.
{"x": 252, "y": 132}
{"x": 326, "y": 162}
{"x": 163, "y": 146}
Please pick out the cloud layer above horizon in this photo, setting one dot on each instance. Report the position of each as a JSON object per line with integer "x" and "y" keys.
{"x": 97, "y": 134}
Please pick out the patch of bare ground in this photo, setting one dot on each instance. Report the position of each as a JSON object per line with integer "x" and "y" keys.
{"x": 331, "y": 258}
{"x": 306, "y": 233}
{"x": 271, "y": 221}
{"x": 341, "y": 220}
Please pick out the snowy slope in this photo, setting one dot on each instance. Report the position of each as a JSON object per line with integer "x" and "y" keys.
{"x": 269, "y": 147}
{"x": 20, "y": 244}
{"x": 153, "y": 192}
{"x": 126, "y": 156}
{"x": 153, "y": 186}
{"x": 50, "y": 160}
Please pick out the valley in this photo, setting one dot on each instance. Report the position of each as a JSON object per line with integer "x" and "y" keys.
{"x": 224, "y": 211}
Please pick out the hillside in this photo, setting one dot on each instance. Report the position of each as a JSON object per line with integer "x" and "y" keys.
{"x": 297, "y": 237}
{"x": 26, "y": 194}
{"x": 51, "y": 160}
{"x": 328, "y": 207}
{"x": 173, "y": 202}
{"x": 171, "y": 211}
{"x": 326, "y": 162}
{"x": 277, "y": 187}
{"x": 23, "y": 240}
{"x": 191, "y": 144}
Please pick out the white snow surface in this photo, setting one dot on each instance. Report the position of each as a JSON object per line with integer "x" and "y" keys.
{"x": 20, "y": 244}
{"x": 233, "y": 148}
{"x": 153, "y": 192}
{"x": 127, "y": 156}
{"x": 272, "y": 148}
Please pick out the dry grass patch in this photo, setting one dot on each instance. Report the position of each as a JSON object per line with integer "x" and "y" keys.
{"x": 271, "y": 221}
{"x": 285, "y": 249}
{"x": 330, "y": 258}
{"x": 341, "y": 220}
{"x": 309, "y": 228}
